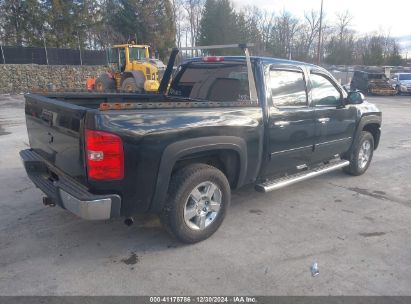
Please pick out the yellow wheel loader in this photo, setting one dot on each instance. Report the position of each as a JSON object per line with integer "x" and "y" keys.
{"x": 130, "y": 70}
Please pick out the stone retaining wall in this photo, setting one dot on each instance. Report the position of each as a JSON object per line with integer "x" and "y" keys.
{"x": 22, "y": 78}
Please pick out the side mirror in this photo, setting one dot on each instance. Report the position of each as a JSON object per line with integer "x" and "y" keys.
{"x": 355, "y": 97}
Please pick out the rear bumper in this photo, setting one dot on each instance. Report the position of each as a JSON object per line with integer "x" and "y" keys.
{"x": 68, "y": 194}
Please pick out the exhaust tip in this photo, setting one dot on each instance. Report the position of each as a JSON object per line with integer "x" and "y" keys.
{"x": 129, "y": 221}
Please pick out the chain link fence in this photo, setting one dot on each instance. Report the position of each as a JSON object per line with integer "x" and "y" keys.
{"x": 51, "y": 56}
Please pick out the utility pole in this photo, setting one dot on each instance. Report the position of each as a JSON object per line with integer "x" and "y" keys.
{"x": 319, "y": 34}
{"x": 79, "y": 48}
{"x": 2, "y": 54}
{"x": 45, "y": 49}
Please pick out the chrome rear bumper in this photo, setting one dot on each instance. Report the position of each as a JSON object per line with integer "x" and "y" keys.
{"x": 69, "y": 194}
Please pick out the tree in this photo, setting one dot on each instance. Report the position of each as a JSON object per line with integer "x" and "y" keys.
{"x": 147, "y": 21}
{"x": 305, "y": 47}
{"x": 283, "y": 34}
{"x": 340, "y": 48}
{"x": 160, "y": 26}
{"x": 97, "y": 24}
{"x": 21, "y": 21}
{"x": 178, "y": 16}
{"x": 254, "y": 25}
{"x": 218, "y": 24}
{"x": 373, "y": 54}
{"x": 193, "y": 9}
{"x": 394, "y": 57}
{"x": 62, "y": 26}
{"x": 343, "y": 25}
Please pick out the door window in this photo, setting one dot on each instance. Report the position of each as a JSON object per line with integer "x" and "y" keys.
{"x": 122, "y": 59}
{"x": 323, "y": 91}
{"x": 287, "y": 89}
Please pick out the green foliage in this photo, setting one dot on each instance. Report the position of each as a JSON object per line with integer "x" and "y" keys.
{"x": 218, "y": 25}
{"x": 97, "y": 24}
{"x": 65, "y": 22}
{"x": 377, "y": 50}
{"x": 373, "y": 55}
{"x": 20, "y": 22}
{"x": 340, "y": 52}
{"x": 90, "y": 23}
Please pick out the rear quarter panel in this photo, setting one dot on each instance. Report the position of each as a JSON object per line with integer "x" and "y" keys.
{"x": 147, "y": 133}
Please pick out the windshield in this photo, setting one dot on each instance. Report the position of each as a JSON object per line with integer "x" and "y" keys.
{"x": 137, "y": 53}
{"x": 212, "y": 82}
{"x": 405, "y": 76}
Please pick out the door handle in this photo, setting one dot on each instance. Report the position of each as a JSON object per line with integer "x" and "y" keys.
{"x": 323, "y": 120}
{"x": 281, "y": 124}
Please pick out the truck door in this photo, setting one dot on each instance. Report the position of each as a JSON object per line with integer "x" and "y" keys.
{"x": 291, "y": 121}
{"x": 334, "y": 123}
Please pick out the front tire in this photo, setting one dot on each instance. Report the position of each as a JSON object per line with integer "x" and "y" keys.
{"x": 197, "y": 201}
{"x": 361, "y": 155}
{"x": 129, "y": 85}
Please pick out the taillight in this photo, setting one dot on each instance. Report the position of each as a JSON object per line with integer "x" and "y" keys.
{"x": 213, "y": 58}
{"x": 105, "y": 156}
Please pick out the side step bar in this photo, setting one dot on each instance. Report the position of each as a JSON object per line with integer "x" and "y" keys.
{"x": 298, "y": 177}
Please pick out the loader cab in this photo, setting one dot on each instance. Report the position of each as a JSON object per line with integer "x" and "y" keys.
{"x": 131, "y": 69}
{"x": 117, "y": 59}
{"x": 128, "y": 57}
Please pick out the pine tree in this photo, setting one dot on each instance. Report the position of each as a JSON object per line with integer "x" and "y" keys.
{"x": 218, "y": 24}
{"x": 147, "y": 21}
{"x": 63, "y": 25}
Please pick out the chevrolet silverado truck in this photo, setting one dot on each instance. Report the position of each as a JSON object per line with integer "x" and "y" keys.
{"x": 221, "y": 123}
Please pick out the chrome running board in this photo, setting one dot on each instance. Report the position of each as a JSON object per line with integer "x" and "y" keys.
{"x": 301, "y": 176}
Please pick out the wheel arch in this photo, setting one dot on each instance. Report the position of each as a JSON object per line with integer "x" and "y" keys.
{"x": 229, "y": 151}
{"x": 370, "y": 123}
{"x": 374, "y": 129}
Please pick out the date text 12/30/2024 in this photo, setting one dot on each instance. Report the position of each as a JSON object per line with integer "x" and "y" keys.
{"x": 204, "y": 299}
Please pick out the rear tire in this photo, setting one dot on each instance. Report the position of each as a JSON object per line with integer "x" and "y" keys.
{"x": 361, "y": 155}
{"x": 129, "y": 85}
{"x": 197, "y": 201}
{"x": 104, "y": 84}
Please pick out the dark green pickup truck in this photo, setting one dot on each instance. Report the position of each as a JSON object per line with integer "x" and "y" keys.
{"x": 181, "y": 152}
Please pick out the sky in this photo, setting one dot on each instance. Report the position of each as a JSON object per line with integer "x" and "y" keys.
{"x": 386, "y": 16}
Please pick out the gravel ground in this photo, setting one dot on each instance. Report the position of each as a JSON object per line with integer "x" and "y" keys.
{"x": 356, "y": 228}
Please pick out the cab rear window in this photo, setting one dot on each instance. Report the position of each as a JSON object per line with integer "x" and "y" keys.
{"x": 212, "y": 82}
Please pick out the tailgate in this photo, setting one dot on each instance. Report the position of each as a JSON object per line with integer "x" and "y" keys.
{"x": 55, "y": 132}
